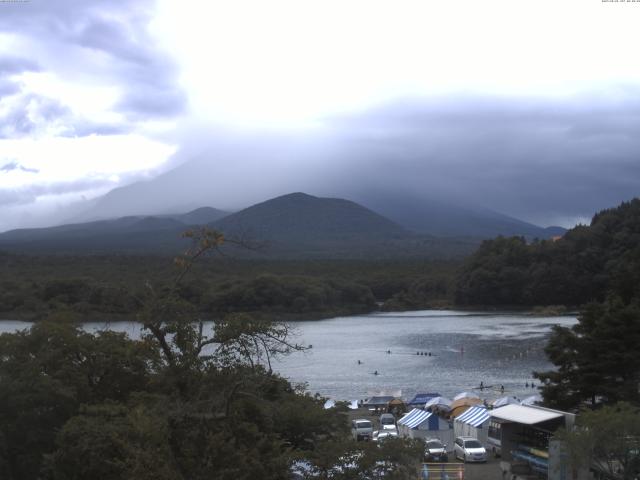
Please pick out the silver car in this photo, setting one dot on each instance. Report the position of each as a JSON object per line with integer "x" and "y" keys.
{"x": 387, "y": 421}
{"x": 469, "y": 449}
{"x": 435, "y": 451}
{"x": 361, "y": 429}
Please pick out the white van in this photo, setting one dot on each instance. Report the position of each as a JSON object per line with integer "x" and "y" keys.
{"x": 361, "y": 429}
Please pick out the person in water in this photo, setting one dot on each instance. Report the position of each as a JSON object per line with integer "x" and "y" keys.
{"x": 376, "y": 372}
{"x": 359, "y": 362}
{"x": 501, "y": 388}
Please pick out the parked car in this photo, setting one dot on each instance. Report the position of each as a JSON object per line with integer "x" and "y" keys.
{"x": 380, "y": 435}
{"x": 435, "y": 451}
{"x": 469, "y": 449}
{"x": 361, "y": 429}
{"x": 387, "y": 420}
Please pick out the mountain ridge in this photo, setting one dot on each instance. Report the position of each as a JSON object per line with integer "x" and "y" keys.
{"x": 293, "y": 225}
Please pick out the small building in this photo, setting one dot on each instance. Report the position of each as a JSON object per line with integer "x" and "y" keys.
{"x": 421, "y": 424}
{"x": 472, "y": 423}
{"x": 524, "y": 433}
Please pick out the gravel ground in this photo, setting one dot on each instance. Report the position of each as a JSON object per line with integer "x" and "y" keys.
{"x": 483, "y": 471}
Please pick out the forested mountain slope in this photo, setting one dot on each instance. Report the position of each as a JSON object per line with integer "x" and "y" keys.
{"x": 586, "y": 264}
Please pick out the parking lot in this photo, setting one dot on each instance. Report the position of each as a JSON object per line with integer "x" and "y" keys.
{"x": 473, "y": 471}
{"x": 483, "y": 471}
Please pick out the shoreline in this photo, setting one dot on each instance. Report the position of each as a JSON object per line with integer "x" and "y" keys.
{"x": 538, "y": 311}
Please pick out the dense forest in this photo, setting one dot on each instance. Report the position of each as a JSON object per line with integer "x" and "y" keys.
{"x": 111, "y": 286}
{"x": 584, "y": 265}
{"x": 184, "y": 402}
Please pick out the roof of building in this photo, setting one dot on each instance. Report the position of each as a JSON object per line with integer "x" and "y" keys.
{"x": 525, "y": 414}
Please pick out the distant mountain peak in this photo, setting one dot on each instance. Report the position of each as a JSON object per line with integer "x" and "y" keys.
{"x": 299, "y": 216}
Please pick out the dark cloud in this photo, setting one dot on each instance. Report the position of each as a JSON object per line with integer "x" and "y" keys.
{"x": 539, "y": 160}
{"x": 8, "y": 87}
{"x": 154, "y": 103}
{"x": 9, "y": 167}
{"x": 10, "y": 65}
{"x": 28, "y": 194}
{"x": 29, "y": 113}
{"x": 99, "y": 41}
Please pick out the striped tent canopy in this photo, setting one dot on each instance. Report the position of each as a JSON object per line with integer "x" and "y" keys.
{"x": 414, "y": 418}
{"x": 475, "y": 416}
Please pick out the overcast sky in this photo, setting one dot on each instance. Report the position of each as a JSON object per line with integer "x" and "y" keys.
{"x": 531, "y": 108}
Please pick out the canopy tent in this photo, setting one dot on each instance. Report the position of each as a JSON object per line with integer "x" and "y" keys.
{"x": 439, "y": 402}
{"x": 461, "y": 405}
{"x": 502, "y": 401}
{"x": 465, "y": 395}
{"x": 351, "y": 404}
{"x": 475, "y": 416}
{"x": 422, "y": 424}
{"x": 378, "y": 402}
{"x": 414, "y": 418}
{"x": 472, "y": 422}
{"x": 532, "y": 400}
{"x": 396, "y": 406}
{"x": 420, "y": 399}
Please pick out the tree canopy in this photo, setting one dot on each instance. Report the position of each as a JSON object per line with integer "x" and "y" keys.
{"x": 582, "y": 266}
{"x": 180, "y": 403}
{"x": 597, "y": 360}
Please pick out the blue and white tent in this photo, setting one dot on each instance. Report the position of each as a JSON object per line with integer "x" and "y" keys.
{"x": 415, "y": 418}
{"x": 420, "y": 399}
{"x": 421, "y": 424}
{"x": 472, "y": 423}
{"x": 475, "y": 416}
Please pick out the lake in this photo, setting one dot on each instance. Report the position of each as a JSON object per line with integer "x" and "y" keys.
{"x": 466, "y": 348}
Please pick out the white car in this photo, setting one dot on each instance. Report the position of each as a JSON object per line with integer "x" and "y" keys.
{"x": 380, "y": 435}
{"x": 361, "y": 429}
{"x": 469, "y": 449}
{"x": 387, "y": 421}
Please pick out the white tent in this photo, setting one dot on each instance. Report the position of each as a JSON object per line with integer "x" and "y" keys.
{"x": 472, "y": 423}
{"x": 532, "y": 400}
{"x": 465, "y": 395}
{"x": 502, "y": 401}
{"x": 421, "y": 424}
{"x": 439, "y": 402}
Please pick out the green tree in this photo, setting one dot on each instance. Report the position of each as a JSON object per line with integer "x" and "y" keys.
{"x": 598, "y": 358}
{"x": 183, "y": 402}
{"x": 607, "y": 439}
{"x": 48, "y": 372}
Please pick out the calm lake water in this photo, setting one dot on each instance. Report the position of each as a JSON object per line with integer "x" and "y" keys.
{"x": 466, "y": 348}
